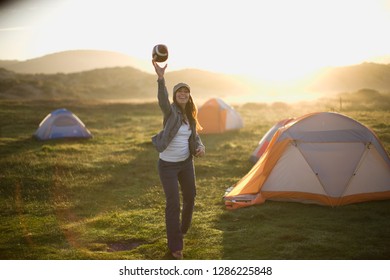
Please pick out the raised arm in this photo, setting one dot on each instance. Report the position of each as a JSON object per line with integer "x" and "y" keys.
{"x": 162, "y": 92}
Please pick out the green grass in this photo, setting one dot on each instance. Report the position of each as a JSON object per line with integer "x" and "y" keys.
{"x": 101, "y": 198}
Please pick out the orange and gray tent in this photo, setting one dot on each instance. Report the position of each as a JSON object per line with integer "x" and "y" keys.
{"x": 264, "y": 142}
{"x": 322, "y": 158}
{"x": 215, "y": 116}
{"x": 61, "y": 123}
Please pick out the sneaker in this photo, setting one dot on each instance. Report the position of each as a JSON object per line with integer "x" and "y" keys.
{"x": 178, "y": 255}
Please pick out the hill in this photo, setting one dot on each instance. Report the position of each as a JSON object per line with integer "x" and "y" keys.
{"x": 125, "y": 83}
{"x": 7, "y": 63}
{"x": 110, "y": 75}
{"x": 351, "y": 78}
{"x": 73, "y": 61}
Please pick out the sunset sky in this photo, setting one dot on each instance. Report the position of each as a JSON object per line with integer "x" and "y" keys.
{"x": 271, "y": 39}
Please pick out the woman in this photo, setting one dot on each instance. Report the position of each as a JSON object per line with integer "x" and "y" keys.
{"x": 177, "y": 143}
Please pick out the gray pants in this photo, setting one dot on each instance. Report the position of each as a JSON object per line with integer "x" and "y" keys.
{"x": 171, "y": 174}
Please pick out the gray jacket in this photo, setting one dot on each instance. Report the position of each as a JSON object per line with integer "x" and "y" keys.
{"x": 173, "y": 119}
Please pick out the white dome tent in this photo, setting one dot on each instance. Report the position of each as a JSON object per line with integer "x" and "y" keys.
{"x": 323, "y": 158}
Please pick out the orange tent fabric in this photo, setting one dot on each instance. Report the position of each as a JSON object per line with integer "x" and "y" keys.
{"x": 215, "y": 116}
{"x": 264, "y": 142}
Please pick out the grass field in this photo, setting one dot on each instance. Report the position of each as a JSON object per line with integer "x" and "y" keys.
{"x": 101, "y": 198}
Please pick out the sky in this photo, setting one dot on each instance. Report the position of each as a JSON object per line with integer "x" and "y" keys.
{"x": 269, "y": 39}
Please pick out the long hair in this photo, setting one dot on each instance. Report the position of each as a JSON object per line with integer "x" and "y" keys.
{"x": 191, "y": 112}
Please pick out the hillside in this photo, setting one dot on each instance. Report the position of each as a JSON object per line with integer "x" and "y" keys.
{"x": 111, "y": 83}
{"x": 8, "y": 63}
{"x": 109, "y": 75}
{"x": 352, "y": 78}
{"x": 73, "y": 61}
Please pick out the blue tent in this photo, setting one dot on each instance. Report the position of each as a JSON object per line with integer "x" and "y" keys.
{"x": 61, "y": 123}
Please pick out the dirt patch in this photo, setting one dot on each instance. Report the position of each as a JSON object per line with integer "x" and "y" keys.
{"x": 124, "y": 245}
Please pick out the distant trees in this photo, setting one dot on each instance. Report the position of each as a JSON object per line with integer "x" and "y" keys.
{"x": 365, "y": 99}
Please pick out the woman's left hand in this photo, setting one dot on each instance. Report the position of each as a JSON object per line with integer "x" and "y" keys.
{"x": 200, "y": 152}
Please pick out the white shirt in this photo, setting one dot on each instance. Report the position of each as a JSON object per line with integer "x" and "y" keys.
{"x": 178, "y": 149}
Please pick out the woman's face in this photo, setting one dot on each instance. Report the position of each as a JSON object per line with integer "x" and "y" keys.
{"x": 182, "y": 96}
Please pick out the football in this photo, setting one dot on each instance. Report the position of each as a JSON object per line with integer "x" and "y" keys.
{"x": 160, "y": 53}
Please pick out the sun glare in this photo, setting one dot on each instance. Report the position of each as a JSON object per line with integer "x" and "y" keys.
{"x": 277, "y": 41}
